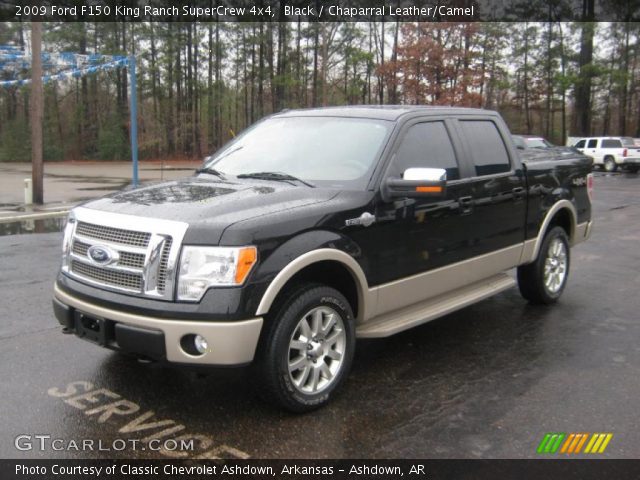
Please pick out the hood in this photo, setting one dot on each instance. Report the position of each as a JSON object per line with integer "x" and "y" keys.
{"x": 209, "y": 207}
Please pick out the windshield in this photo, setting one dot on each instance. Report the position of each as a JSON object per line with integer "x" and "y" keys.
{"x": 329, "y": 151}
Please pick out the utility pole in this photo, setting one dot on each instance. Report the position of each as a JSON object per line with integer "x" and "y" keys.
{"x": 37, "y": 108}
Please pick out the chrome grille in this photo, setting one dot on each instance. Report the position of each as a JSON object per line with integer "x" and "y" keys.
{"x": 164, "y": 260}
{"x": 128, "y": 281}
{"x": 127, "y": 259}
{"x": 115, "y": 235}
{"x": 80, "y": 248}
{"x": 133, "y": 260}
{"x": 143, "y": 252}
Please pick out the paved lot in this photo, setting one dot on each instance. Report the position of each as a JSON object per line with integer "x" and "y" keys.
{"x": 486, "y": 382}
{"x": 67, "y": 183}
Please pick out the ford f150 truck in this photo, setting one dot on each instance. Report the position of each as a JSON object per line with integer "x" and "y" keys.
{"x": 316, "y": 227}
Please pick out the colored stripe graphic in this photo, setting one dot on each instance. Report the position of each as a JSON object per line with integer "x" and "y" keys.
{"x": 581, "y": 442}
{"x": 551, "y": 442}
{"x": 543, "y": 443}
{"x": 572, "y": 443}
{"x": 598, "y": 443}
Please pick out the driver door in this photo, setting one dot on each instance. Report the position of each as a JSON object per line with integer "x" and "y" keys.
{"x": 421, "y": 234}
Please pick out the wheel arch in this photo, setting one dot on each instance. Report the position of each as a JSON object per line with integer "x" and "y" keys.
{"x": 562, "y": 213}
{"x": 332, "y": 267}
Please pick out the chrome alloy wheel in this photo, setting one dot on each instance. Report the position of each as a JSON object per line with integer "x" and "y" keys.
{"x": 555, "y": 266}
{"x": 316, "y": 350}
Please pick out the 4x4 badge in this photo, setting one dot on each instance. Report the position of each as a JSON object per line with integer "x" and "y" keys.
{"x": 365, "y": 220}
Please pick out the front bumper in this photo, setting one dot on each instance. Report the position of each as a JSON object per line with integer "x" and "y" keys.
{"x": 230, "y": 343}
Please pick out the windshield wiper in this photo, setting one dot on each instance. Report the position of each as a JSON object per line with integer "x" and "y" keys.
{"x": 212, "y": 171}
{"x": 279, "y": 177}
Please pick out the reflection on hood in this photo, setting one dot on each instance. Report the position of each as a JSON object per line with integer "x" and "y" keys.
{"x": 171, "y": 193}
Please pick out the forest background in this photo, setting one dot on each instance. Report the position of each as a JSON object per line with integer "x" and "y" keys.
{"x": 202, "y": 83}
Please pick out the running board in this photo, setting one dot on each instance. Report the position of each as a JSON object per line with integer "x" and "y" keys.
{"x": 422, "y": 312}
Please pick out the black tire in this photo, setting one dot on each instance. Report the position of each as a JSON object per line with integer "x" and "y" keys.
{"x": 633, "y": 169}
{"x": 609, "y": 164}
{"x": 272, "y": 379}
{"x": 531, "y": 277}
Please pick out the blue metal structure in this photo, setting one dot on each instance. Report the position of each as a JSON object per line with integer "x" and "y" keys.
{"x": 74, "y": 65}
{"x": 133, "y": 110}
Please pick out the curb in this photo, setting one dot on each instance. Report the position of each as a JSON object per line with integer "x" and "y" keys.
{"x": 34, "y": 216}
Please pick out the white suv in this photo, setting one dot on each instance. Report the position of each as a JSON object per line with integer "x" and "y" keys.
{"x": 611, "y": 152}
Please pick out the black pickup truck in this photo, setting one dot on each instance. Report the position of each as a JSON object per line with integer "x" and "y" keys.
{"x": 316, "y": 227}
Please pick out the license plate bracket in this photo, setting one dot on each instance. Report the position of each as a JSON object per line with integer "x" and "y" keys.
{"x": 90, "y": 328}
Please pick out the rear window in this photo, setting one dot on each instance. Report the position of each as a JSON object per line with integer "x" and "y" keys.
{"x": 487, "y": 147}
{"x": 611, "y": 143}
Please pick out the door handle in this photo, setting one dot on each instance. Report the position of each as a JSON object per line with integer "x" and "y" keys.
{"x": 465, "y": 205}
{"x": 518, "y": 193}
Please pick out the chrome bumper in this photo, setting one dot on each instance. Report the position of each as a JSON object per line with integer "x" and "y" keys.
{"x": 230, "y": 343}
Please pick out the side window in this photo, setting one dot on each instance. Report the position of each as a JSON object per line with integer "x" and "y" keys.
{"x": 487, "y": 147}
{"x": 610, "y": 143}
{"x": 593, "y": 143}
{"x": 426, "y": 145}
{"x": 580, "y": 144}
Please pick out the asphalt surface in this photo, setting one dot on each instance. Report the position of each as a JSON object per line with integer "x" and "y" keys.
{"x": 485, "y": 382}
{"x": 67, "y": 183}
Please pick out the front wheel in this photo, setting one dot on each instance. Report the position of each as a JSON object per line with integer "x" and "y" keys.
{"x": 307, "y": 349}
{"x": 543, "y": 281}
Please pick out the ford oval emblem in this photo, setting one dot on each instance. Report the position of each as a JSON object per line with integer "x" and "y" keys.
{"x": 101, "y": 255}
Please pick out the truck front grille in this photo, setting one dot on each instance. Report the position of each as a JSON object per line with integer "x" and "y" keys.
{"x": 133, "y": 260}
{"x": 142, "y": 259}
{"x": 80, "y": 248}
{"x": 124, "y": 280}
{"x": 164, "y": 261}
{"x": 115, "y": 235}
{"x": 127, "y": 259}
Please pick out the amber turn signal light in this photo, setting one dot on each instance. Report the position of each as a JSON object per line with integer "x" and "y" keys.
{"x": 429, "y": 189}
{"x": 246, "y": 258}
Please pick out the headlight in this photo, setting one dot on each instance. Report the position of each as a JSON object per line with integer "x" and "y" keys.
{"x": 204, "y": 267}
{"x": 68, "y": 234}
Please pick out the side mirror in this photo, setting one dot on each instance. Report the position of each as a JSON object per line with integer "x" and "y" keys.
{"x": 417, "y": 182}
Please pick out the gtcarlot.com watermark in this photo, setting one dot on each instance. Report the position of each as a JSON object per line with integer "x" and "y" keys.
{"x": 44, "y": 443}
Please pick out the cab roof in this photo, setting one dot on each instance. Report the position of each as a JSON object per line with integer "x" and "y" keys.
{"x": 381, "y": 112}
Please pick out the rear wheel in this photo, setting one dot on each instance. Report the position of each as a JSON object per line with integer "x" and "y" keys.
{"x": 610, "y": 164}
{"x": 543, "y": 281}
{"x": 307, "y": 349}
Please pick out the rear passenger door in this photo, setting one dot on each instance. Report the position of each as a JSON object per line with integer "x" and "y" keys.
{"x": 497, "y": 206}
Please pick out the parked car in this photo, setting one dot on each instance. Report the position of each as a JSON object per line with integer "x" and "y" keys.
{"x": 527, "y": 142}
{"x": 313, "y": 228}
{"x": 532, "y": 147}
{"x": 611, "y": 153}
